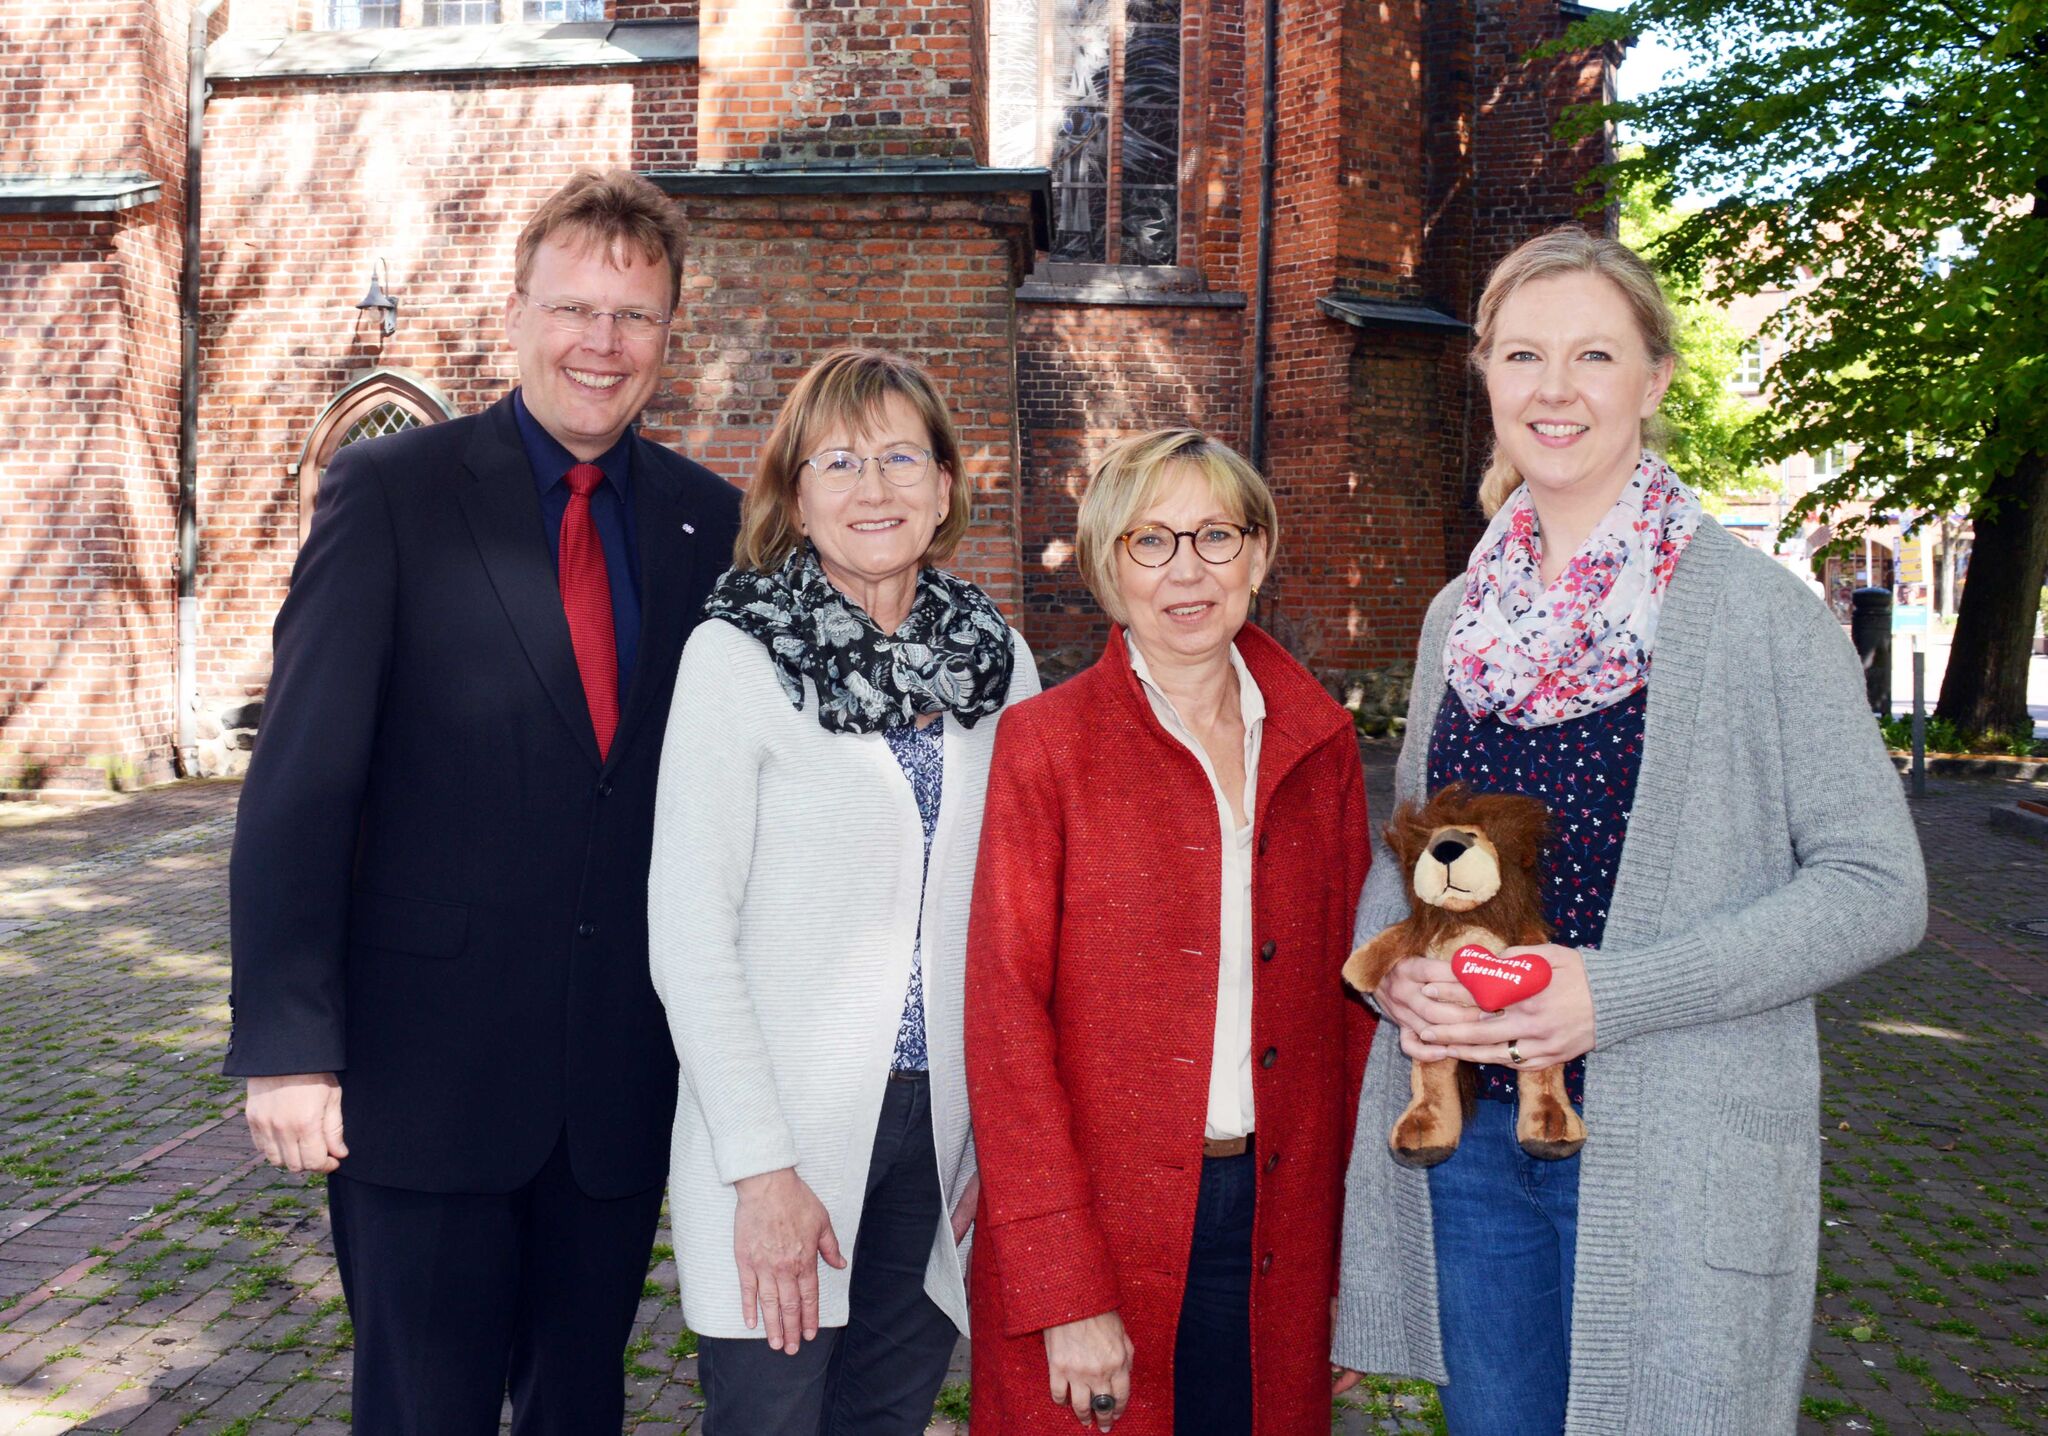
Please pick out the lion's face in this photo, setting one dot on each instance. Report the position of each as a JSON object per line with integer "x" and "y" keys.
{"x": 1457, "y": 870}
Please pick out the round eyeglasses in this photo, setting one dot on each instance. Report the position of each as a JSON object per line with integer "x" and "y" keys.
{"x": 904, "y": 465}
{"x": 1154, "y": 545}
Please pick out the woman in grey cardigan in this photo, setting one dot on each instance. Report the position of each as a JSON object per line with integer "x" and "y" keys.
{"x": 1728, "y": 839}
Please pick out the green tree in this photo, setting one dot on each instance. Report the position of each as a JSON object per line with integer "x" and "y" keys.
{"x": 1897, "y": 152}
{"x": 1710, "y": 428}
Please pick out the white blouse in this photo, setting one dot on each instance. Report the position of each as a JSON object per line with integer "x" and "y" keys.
{"x": 1230, "y": 1059}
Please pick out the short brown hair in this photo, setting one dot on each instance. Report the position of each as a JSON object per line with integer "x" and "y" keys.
{"x": 846, "y": 386}
{"x": 606, "y": 208}
{"x": 1571, "y": 249}
{"x": 1129, "y": 477}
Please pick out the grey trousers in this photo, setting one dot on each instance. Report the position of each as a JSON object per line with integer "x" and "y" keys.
{"x": 879, "y": 1374}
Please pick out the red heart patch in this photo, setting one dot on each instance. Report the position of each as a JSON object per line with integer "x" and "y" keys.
{"x": 1495, "y": 981}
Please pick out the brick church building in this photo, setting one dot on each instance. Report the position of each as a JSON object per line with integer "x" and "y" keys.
{"x": 1266, "y": 218}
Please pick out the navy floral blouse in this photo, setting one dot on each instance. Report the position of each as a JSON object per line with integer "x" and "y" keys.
{"x": 921, "y": 754}
{"x": 1584, "y": 770}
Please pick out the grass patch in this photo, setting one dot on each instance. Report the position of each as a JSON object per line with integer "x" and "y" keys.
{"x": 955, "y": 1403}
{"x": 256, "y": 1280}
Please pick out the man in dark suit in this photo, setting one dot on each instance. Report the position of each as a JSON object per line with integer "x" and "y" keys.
{"x": 439, "y": 884}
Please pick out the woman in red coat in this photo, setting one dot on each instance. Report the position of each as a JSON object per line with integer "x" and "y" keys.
{"x": 1161, "y": 1057}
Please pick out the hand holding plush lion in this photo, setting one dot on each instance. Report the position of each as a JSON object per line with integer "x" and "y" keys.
{"x": 1471, "y": 861}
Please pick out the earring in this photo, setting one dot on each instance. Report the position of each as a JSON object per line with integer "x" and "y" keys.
{"x": 1255, "y": 591}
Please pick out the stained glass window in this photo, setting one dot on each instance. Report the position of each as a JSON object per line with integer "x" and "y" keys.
{"x": 1113, "y": 148}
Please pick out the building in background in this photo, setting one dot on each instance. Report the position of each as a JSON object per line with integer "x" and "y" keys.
{"x": 1060, "y": 205}
{"x": 1922, "y": 558}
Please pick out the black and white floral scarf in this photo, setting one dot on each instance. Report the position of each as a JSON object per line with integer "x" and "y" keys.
{"x": 951, "y": 654}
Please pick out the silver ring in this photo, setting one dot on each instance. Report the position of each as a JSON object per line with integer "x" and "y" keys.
{"x": 1103, "y": 1401}
{"x": 1514, "y": 1052}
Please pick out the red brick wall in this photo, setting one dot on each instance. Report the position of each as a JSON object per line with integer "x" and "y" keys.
{"x": 1413, "y": 152}
{"x": 308, "y": 184}
{"x": 1522, "y": 183}
{"x": 88, "y": 398}
{"x": 1088, "y": 375}
{"x": 774, "y": 282}
{"x": 1219, "y": 195}
{"x": 825, "y": 82}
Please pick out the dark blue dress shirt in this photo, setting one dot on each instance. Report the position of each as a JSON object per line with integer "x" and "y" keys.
{"x": 611, "y": 508}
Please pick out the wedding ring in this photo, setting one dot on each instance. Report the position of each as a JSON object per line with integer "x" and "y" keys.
{"x": 1514, "y": 1052}
{"x": 1103, "y": 1401}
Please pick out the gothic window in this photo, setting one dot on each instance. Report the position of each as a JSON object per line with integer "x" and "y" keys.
{"x": 388, "y": 417}
{"x": 384, "y": 402}
{"x": 1092, "y": 90}
{"x": 362, "y": 14}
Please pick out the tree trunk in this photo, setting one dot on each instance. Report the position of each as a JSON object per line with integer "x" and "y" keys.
{"x": 1985, "y": 688}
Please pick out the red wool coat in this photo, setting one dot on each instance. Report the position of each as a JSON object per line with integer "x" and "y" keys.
{"x": 1091, "y": 1007}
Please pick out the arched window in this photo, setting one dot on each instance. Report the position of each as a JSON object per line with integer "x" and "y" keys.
{"x": 382, "y": 402}
{"x": 1092, "y": 89}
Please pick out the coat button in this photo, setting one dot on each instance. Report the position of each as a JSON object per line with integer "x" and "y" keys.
{"x": 1272, "y": 1160}
{"x": 604, "y": 789}
{"x": 589, "y": 929}
{"x": 1272, "y": 1056}
{"x": 1266, "y": 952}
{"x": 1265, "y": 1263}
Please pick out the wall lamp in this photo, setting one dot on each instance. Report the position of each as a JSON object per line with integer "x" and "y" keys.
{"x": 379, "y": 300}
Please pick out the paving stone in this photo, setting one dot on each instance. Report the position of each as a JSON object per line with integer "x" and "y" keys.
{"x": 113, "y": 1005}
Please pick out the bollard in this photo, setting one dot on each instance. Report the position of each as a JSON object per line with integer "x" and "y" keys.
{"x": 1919, "y": 721}
{"x": 1870, "y": 625}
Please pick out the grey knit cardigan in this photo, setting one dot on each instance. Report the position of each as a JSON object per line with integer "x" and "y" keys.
{"x": 1769, "y": 855}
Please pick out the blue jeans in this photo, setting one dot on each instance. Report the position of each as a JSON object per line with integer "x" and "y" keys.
{"x": 1507, "y": 1230}
{"x": 1212, "y": 1347}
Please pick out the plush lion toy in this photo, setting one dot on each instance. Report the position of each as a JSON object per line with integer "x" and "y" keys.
{"x": 1472, "y": 866}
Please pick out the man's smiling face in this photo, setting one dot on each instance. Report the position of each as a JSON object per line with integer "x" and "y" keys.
{"x": 586, "y": 388}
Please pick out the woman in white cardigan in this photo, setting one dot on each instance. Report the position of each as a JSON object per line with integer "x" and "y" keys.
{"x": 814, "y": 847}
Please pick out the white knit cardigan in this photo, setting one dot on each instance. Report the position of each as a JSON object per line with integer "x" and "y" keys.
{"x": 782, "y": 910}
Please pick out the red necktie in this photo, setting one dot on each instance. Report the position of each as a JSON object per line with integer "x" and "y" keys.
{"x": 587, "y": 600}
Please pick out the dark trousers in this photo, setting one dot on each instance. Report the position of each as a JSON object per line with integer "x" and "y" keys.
{"x": 453, "y": 1296}
{"x": 1212, "y": 1350}
{"x": 879, "y": 1374}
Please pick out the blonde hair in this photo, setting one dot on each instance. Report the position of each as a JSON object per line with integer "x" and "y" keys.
{"x": 605, "y": 209}
{"x": 1570, "y": 249}
{"x": 849, "y": 387}
{"x": 1130, "y": 476}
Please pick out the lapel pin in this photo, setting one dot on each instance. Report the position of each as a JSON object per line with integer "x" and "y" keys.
{"x": 689, "y": 528}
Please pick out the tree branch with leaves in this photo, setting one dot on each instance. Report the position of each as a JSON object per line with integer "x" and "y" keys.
{"x": 1893, "y": 154}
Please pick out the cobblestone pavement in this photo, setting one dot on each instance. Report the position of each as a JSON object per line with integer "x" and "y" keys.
{"x": 155, "y": 1277}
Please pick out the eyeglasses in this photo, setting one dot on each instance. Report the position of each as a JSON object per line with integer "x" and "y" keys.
{"x": 1154, "y": 545}
{"x": 578, "y": 318}
{"x": 904, "y": 465}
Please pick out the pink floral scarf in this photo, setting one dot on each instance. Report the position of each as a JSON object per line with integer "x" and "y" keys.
{"x": 1538, "y": 656}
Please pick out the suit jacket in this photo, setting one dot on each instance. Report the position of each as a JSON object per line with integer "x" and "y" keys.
{"x": 438, "y": 891}
{"x": 1091, "y": 1010}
